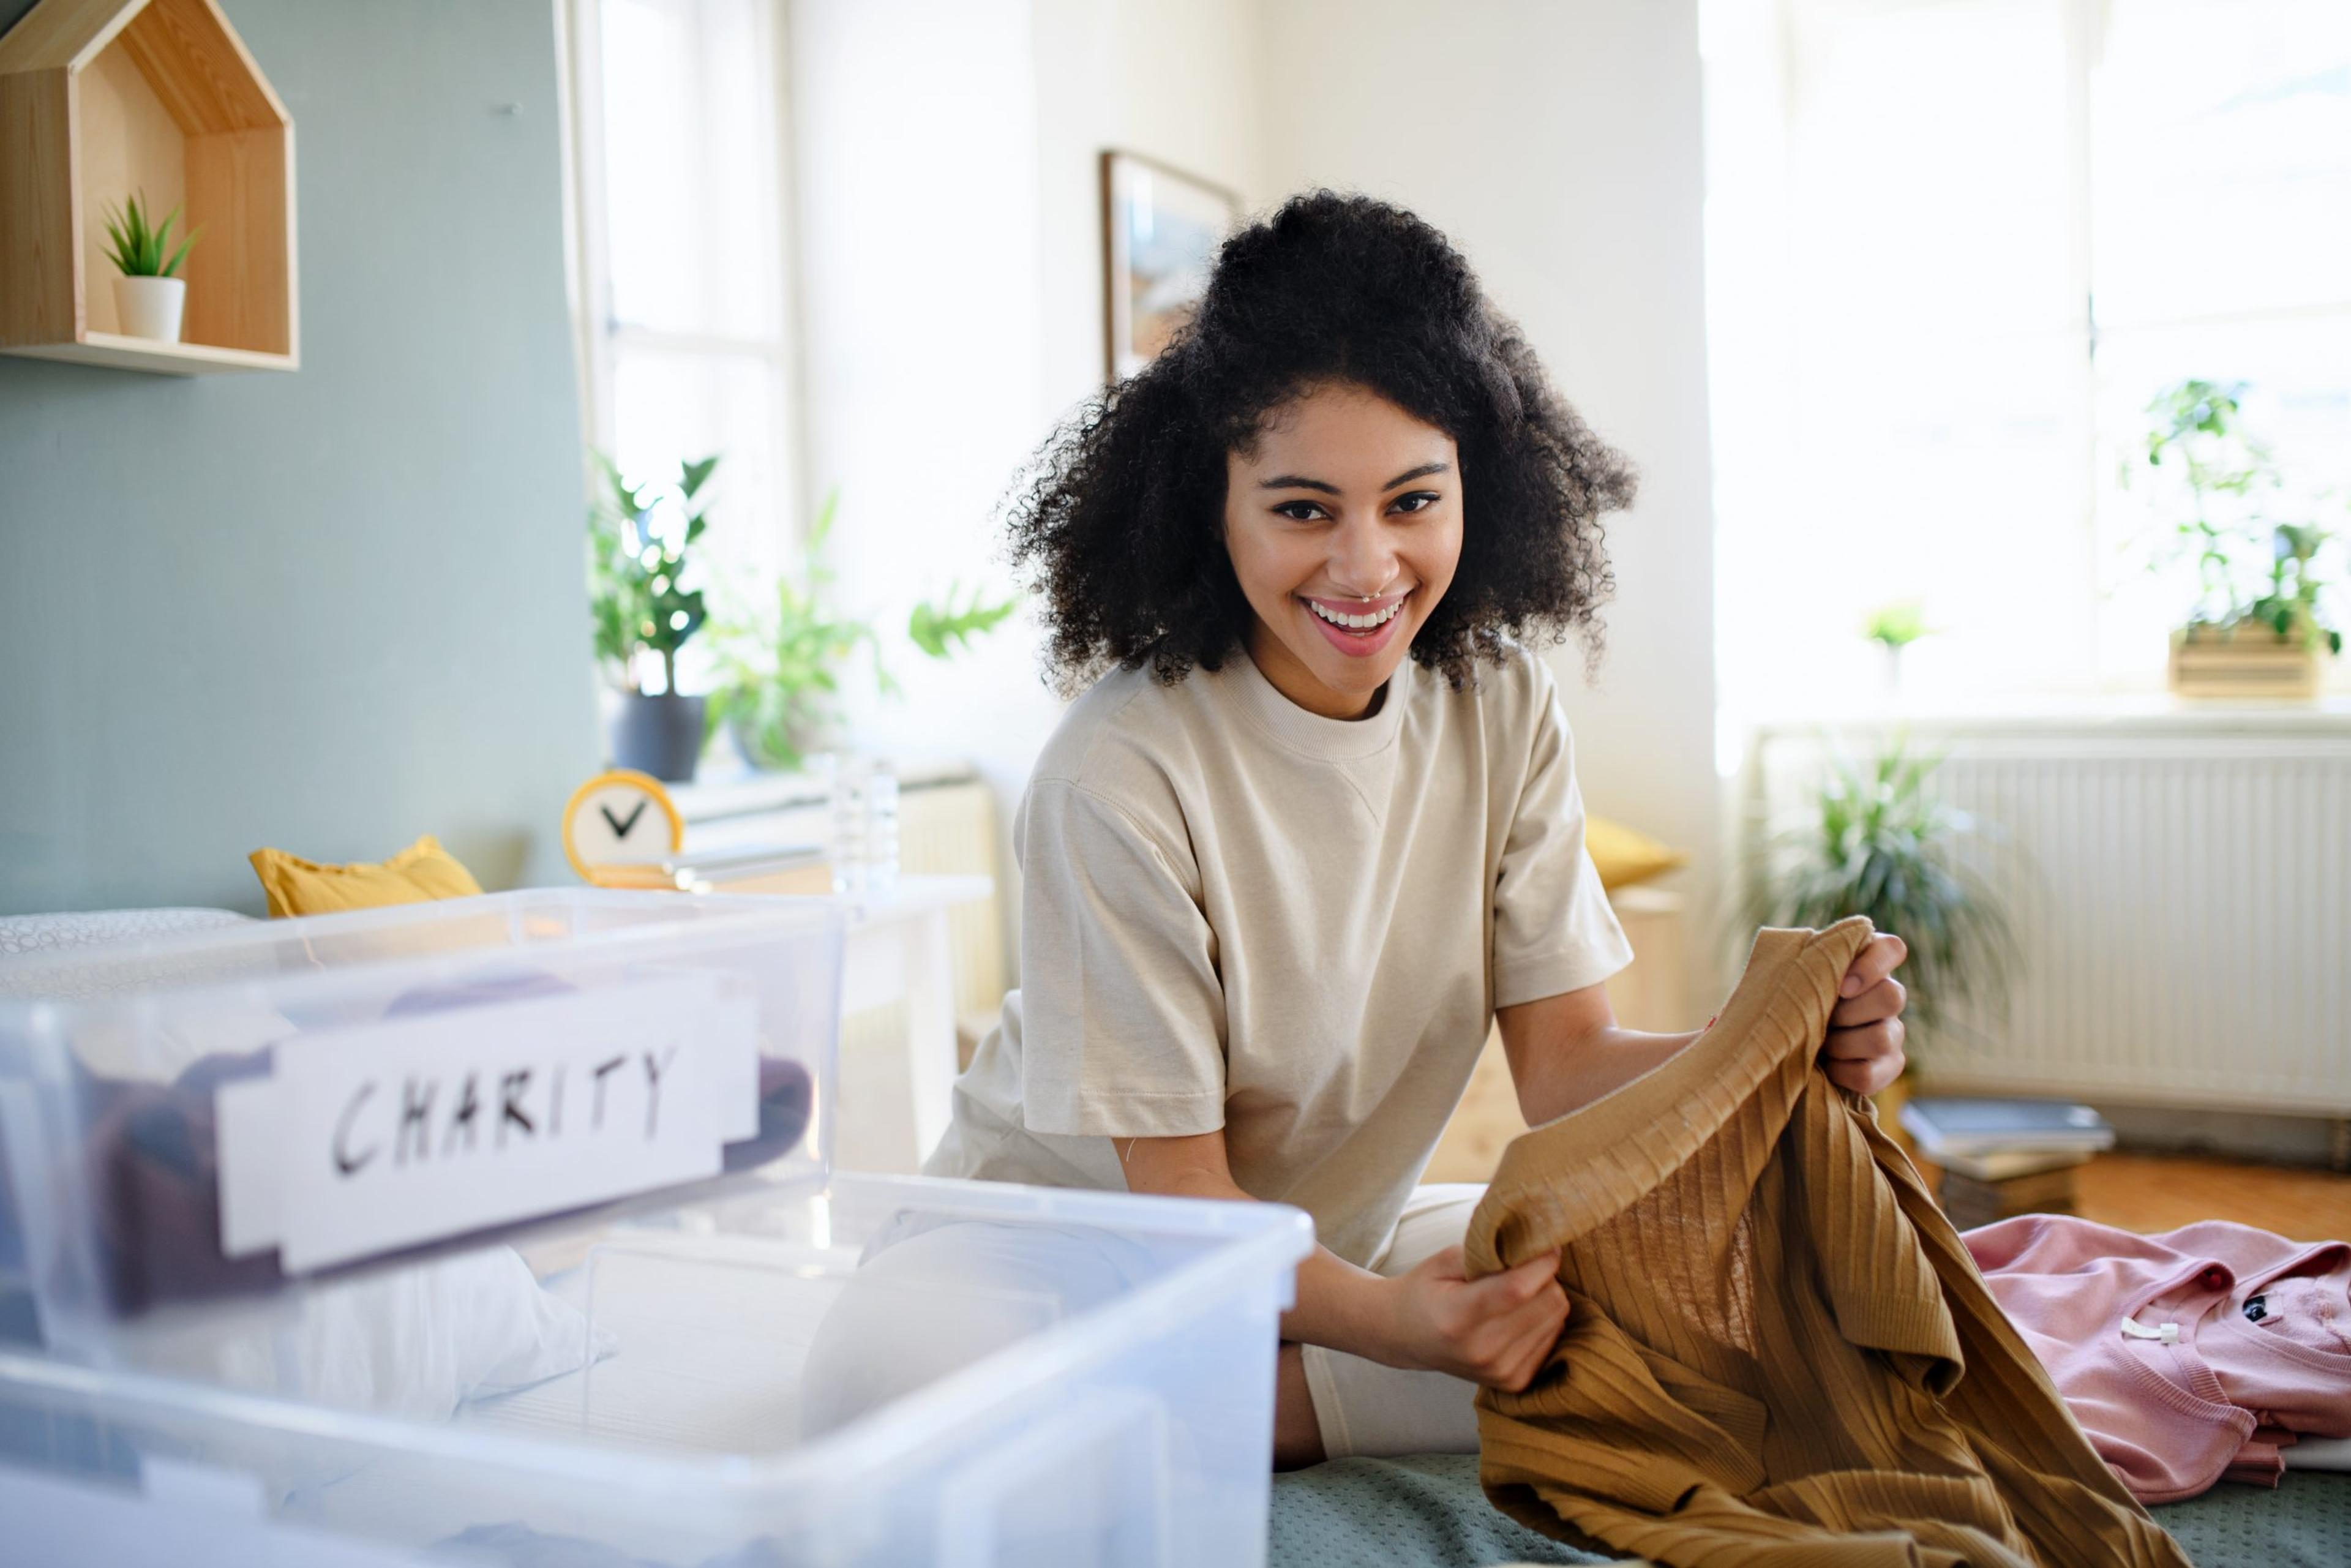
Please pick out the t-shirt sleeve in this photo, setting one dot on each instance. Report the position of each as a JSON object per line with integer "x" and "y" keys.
{"x": 1554, "y": 929}
{"x": 1122, "y": 1015}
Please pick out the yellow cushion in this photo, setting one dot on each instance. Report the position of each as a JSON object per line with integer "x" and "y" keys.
{"x": 422, "y": 870}
{"x": 1625, "y": 855}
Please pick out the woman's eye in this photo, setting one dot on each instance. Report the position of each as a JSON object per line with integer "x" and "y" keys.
{"x": 1299, "y": 511}
{"x": 1418, "y": 501}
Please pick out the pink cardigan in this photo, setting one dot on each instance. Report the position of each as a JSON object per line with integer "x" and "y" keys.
{"x": 2186, "y": 1356}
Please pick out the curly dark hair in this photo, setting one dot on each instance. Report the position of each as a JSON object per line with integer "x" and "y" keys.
{"x": 1119, "y": 521}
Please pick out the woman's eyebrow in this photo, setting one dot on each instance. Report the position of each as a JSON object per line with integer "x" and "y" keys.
{"x": 1299, "y": 482}
{"x": 1423, "y": 471}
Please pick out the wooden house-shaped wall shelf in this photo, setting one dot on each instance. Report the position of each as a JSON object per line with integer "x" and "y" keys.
{"x": 100, "y": 98}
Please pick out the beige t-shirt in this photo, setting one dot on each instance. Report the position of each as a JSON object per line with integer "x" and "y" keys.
{"x": 1241, "y": 915}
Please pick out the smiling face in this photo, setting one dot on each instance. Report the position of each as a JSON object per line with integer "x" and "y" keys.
{"x": 1344, "y": 528}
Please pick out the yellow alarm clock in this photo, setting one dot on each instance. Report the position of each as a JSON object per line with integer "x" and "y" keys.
{"x": 618, "y": 826}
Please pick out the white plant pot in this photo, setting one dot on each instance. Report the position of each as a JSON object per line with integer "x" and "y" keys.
{"x": 150, "y": 306}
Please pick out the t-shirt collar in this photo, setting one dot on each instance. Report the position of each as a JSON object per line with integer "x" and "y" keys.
{"x": 1333, "y": 739}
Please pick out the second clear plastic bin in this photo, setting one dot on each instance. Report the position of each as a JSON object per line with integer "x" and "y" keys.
{"x": 890, "y": 1370}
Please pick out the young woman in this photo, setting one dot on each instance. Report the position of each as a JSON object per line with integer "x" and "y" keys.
{"x": 1314, "y": 822}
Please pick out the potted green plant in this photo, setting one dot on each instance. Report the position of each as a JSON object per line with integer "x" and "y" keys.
{"x": 150, "y": 297}
{"x": 779, "y": 684}
{"x": 2258, "y": 627}
{"x": 1894, "y": 627}
{"x": 638, "y": 541}
{"x": 1877, "y": 842}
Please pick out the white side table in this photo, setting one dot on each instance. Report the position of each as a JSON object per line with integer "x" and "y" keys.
{"x": 894, "y": 1108}
{"x": 891, "y": 1098}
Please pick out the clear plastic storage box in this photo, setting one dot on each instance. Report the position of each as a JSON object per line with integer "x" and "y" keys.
{"x": 238, "y": 1111}
{"x": 885, "y": 1371}
{"x": 678, "y": 1341}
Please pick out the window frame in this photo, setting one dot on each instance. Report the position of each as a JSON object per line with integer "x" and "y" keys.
{"x": 599, "y": 330}
{"x": 2091, "y": 336}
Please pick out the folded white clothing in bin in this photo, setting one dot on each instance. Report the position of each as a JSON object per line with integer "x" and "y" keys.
{"x": 417, "y": 1343}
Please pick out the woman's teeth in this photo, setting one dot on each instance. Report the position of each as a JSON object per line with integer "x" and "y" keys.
{"x": 1356, "y": 623}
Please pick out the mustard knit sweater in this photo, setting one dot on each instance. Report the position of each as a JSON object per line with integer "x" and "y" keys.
{"x": 1778, "y": 1352}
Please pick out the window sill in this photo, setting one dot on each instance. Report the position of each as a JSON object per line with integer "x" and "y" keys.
{"x": 2110, "y": 712}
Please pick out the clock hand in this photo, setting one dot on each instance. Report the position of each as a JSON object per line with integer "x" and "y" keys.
{"x": 619, "y": 828}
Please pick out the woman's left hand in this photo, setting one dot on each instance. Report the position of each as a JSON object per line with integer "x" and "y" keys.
{"x": 1865, "y": 1045}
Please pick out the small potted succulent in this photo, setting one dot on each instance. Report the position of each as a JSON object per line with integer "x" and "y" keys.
{"x": 150, "y": 297}
{"x": 638, "y": 537}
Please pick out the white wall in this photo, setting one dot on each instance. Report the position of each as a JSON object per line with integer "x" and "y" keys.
{"x": 1559, "y": 145}
{"x": 950, "y": 280}
{"x": 913, "y": 149}
{"x": 1180, "y": 80}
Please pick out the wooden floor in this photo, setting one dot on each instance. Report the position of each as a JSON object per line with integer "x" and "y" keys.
{"x": 2158, "y": 1192}
{"x": 2130, "y": 1191}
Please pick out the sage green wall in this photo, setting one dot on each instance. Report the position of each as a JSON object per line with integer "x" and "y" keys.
{"x": 333, "y": 610}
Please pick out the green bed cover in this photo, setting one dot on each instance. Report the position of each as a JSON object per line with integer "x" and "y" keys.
{"x": 1428, "y": 1513}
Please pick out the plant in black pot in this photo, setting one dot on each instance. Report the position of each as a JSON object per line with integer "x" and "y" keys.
{"x": 638, "y": 541}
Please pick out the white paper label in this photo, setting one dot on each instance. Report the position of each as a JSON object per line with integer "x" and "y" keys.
{"x": 393, "y": 1134}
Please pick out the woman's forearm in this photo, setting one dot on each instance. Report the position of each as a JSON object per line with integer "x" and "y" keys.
{"x": 1342, "y": 1307}
{"x": 1558, "y": 1081}
{"x": 1339, "y": 1305}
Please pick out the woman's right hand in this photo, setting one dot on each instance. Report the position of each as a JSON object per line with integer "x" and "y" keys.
{"x": 1498, "y": 1331}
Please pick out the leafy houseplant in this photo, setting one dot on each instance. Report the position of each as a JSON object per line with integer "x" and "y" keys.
{"x": 942, "y": 629}
{"x": 150, "y": 295}
{"x": 779, "y": 684}
{"x": 638, "y": 541}
{"x": 1878, "y": 843}
{"x": 1894, "y": 627}
{"x": 777, "y": 673}
{"x": 2290, "y": 606}
{"x": 2258, "y": 627}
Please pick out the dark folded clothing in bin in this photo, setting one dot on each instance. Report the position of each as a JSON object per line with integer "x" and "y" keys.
{"x": 155, "y": 1163}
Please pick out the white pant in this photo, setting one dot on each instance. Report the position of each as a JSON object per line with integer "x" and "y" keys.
{"x": 1379, "y": 1412}
{"x": 932, "y": 1298}
{"x": 934, "y": 1295}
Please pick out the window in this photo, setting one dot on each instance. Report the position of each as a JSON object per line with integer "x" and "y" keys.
{"x": 1954, "y": 248}
{"x": 678, "y": 143}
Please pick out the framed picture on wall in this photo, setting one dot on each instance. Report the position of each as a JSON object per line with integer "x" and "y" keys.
{"x": 1161, "y": 228}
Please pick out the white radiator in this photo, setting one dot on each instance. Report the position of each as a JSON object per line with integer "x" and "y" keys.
{"x": 2179, "y": 888}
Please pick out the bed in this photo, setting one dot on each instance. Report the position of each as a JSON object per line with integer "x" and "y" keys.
{"x": 1428, "y": 1513}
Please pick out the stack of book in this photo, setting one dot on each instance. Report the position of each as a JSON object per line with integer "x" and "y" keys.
{"x": 766, "y": 868}
{"x": 2005, "y": 1157}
